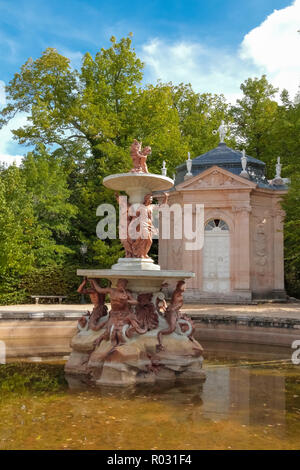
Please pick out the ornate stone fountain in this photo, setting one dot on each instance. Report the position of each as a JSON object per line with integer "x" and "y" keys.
{"x": 142, "y": 338}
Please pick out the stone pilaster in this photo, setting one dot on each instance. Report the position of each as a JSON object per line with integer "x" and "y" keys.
{"x": 242, "y": 254}
{"x": 278, "y": 216}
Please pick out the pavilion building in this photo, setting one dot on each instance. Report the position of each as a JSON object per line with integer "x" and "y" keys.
{"x": 242, "y": 255}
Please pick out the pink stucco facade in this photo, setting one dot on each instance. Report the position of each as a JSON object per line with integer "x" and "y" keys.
{"x": 246, "y": 261}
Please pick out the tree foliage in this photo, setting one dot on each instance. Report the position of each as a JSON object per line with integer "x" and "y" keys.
{"x": 255, "y": 116}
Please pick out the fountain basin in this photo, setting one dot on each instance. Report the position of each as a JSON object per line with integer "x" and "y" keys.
{"x": 137, "y": 185}
{"x": 139, "y": 280}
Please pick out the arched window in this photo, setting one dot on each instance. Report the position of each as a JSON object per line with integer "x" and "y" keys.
{"x": 216, "y": 225}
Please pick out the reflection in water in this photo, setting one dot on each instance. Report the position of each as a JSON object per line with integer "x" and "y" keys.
{"x": 241, "y": 394}
{"x": 251, "y": 406}
{"x": 229, "y": 392}
{"x": 216, "y": 394}
{"x": 253, "y": 396}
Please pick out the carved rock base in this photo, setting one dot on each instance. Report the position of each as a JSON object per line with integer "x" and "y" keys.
{"x": 141, "y": 340}
{"x": 136, "y": 361}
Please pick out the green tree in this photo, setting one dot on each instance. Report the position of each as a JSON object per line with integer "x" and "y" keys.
{"x": 77, "y": 109}
{"x": 17, "y": 223}
{"x": 22, "y": 239}
{"x": 288, "y": 132}
{"x": 91, "y": 116}
{"x": 46, "y": 180}
{"x": 199, "y": 114}
{"x": 155, "y": 120}
{"x": 291, "y": 205}
{"x": 255, "y": 117}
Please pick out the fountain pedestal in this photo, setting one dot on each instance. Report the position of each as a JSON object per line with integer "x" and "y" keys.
{"x": 142, "y": 338}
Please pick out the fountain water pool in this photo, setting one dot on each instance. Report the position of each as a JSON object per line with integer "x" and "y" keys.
{"x": 248, "y": 401}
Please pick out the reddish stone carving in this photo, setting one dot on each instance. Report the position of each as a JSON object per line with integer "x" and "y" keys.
{"x": 139, "y": 237}
{"x": 174, "y": 318}
{"x": 129, "y": 317}
{"x": 161, "y": 304}
{"x": 139, "y": 157}
{"x": 186, "y": 325}
{"x": 142, "y": 244}
{"x": 145, "y": 312}
{"x": 99, "y": 310}
{"x": 82, "y": 322}
{"x": 122, "y": 320}
{"x": 171, "y": 314}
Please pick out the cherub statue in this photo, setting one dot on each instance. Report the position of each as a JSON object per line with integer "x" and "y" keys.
{"x": 139, "y": 157}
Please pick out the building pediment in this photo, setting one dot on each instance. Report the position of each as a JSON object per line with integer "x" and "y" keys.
{"x": 215, "y": 178}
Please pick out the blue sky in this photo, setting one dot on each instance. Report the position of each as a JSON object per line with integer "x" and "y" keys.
{"x": 213, "y": 44}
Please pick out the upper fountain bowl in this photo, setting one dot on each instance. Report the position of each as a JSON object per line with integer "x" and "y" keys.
{"x": 137, "y": 185}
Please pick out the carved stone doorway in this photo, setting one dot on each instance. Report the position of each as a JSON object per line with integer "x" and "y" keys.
{"x": 216, "y": 257}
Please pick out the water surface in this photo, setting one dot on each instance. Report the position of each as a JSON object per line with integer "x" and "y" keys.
{"x": 247, "y": 402}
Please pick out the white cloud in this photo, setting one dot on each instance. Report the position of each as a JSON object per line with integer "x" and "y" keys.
{"x": 11, "y": 159}
{"x": 6, "y": 140}
{"x": 207, "y": 69}
{"x": 272, "y": 48}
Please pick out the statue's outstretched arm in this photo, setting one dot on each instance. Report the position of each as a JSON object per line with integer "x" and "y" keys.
{"x": 82, "y": 286}
{"x": 101, "y": 290}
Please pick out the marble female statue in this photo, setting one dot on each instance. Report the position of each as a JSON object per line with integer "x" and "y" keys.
{"x": 278, "y": 169}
